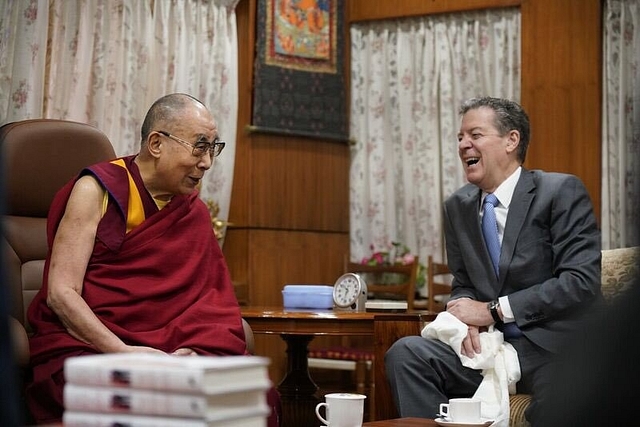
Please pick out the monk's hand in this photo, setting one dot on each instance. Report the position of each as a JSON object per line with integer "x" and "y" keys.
{"x": 142, "y": 349}
{"x": 184, "y": 352}
{"x": 471, "y": 343}
{"x": 470, "y": 311}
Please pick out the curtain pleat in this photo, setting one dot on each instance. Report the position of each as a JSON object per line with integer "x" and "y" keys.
{"x": 621, "y": 124}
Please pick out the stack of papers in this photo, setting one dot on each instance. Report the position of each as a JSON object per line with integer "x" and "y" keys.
{"x": 383, "y": 304}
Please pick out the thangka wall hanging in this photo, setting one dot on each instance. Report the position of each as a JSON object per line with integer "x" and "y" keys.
{"x": 299, "y": 69}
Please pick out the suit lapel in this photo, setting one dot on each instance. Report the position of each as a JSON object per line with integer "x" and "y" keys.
{"x": 520, "y": 203}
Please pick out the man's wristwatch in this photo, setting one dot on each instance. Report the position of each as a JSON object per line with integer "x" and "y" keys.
{"x": 493, "y": 309}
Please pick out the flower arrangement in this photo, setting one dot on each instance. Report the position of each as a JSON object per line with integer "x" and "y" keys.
{"x": 397, "y": 253}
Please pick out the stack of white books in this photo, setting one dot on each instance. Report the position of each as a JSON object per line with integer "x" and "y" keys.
{"x": 155, "y": 390}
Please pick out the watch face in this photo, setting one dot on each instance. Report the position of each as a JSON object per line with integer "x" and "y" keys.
{"x": 346, "y": 290}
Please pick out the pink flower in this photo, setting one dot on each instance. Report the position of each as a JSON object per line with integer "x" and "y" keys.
{"x": 379, "y": 258}
{"x": 408, "y": 259}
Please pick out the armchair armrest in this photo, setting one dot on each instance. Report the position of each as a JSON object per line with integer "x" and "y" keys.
{"x": 20, "y": 342}
{"x": 248, "y": 336}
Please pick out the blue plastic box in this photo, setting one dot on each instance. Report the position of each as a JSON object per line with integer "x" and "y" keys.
{"x": 308, "y": 296}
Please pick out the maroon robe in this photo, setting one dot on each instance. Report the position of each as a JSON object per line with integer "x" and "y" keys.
{"x": 165, "y": 284}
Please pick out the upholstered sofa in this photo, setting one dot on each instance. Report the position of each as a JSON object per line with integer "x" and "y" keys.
{"x": 620, "y": 268}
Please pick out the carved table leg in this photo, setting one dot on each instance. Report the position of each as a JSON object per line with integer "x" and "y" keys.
{"x": 297, "y": 389}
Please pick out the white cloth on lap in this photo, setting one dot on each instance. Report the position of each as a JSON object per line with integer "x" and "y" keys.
{"x": 498, "y": 362}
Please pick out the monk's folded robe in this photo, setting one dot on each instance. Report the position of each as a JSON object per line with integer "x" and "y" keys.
{"x": 156, "y": 278}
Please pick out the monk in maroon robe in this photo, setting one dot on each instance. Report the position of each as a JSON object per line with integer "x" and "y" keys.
{"x": 133, "y": 264}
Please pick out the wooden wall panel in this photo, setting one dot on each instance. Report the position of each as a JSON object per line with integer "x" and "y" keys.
{"x": 561, "y": 87}
{"x": 236, "y": 252}
{"x": 300, "y": 184}
{"x": 241, "y": 191}
{"x": 278, "y": 257}
{"x": 363, "y": 10}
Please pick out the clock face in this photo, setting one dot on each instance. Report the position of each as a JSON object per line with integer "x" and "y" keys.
{"x": 346, "y": 290}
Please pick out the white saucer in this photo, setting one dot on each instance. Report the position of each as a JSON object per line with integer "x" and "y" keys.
{"x": 447, "y": 423}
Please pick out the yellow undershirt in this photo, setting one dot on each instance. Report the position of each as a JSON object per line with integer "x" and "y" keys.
{"x": 135, "y": 211}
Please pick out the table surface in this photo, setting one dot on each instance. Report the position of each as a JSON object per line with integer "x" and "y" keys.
{"x": 275, "y": 311}
{"x": 277, "y": 320}
{"x": 402, "y": 422}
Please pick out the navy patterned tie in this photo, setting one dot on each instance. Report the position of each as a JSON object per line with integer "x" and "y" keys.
{"x": 490, "y": 229}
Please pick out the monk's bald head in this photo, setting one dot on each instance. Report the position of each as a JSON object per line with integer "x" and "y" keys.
{"x": 166, "y": 110}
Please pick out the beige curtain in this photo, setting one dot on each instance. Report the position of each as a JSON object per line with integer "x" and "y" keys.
{"x": 621, "y": 124}
{"x": 408, "y": 78}
{"x": 104, "y": 62}
{"x": 23, "y": 47}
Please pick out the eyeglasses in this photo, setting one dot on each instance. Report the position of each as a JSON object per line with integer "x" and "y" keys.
{"x": 200, "y": 148}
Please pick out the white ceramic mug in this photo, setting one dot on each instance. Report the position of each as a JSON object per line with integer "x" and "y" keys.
{"x": 462, "y": 410}
{"x": 342, "y": 409}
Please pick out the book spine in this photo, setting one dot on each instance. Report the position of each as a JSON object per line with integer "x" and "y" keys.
{"x": 89, "y": 419}
{"x": 159, "y": 378}
{"x": 138, "y": 377}
{"x": 133, "y": 401}
{"x": 125, "y": 400}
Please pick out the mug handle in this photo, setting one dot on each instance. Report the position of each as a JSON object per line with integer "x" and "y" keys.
{"x": 444, "y": 410}
{"x": 318, "y": 406}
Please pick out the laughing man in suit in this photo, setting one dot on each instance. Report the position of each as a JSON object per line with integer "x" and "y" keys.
{"x": 547, "y": 273}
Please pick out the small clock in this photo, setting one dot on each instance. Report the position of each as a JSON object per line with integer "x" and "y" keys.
{"x": 350, "y": 292}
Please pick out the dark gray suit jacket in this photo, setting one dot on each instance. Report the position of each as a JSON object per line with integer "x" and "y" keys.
{"x": 550, "y": 257}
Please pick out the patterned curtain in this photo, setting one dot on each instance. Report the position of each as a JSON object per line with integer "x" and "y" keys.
{"x": 104, "y": 62}
{"x": 621, "y": 124}
{"x": 23, "y": 47}
{"x": 408, "y": 79}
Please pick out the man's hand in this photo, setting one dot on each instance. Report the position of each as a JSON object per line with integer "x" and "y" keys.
{"x": 470, "y": 311}
{"x": 141, "y": 349}
{"x": 477, "y": 317}
{"x": 471, "y": 343}
{"x": 185, "y": 352}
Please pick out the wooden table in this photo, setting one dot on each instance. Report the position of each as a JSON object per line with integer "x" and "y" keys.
{"x": 402, "y": 422}
{"x": 298, "y": 328}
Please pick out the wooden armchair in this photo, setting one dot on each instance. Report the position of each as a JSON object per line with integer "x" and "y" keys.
{"x": 437, "y": 284}
{"x": 403, "y": 280}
